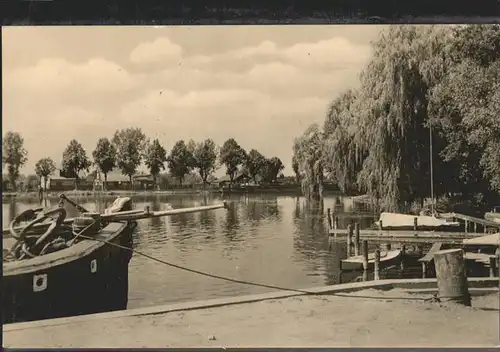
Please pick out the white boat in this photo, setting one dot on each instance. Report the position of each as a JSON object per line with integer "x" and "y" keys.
{"x": 488, "y": 240}
{"x": 387, "y": 258}
{"x": 397, "y": 221}
{"x": 494, "y": 215}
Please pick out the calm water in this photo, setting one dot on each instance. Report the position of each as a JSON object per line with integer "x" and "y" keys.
{"x": 273, "y": 240}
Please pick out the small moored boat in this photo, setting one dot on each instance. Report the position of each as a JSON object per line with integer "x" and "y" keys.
{"x": 494, "y": 215}
{"x": 387, "y": 258}
{"x": 396, "y": 221}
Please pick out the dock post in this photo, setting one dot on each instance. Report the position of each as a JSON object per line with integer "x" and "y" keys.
{"x": 403, "y": 255}
{"x": 356, "y": 239}
{"x": 349, "y": 240}
{"x": 380, "y": 225}
{"x": 336, "y": 222}
{"x": 452, "y": 276}
{"x": 493, "y": 266}
{"x": 415, "y": 225}
{"x": 329, "y": 217}
{"x": 376, "y": 265}
{"x": 365, "y": 260}
{"x": 424, "y": 270}
{"x": 466, "y": 226}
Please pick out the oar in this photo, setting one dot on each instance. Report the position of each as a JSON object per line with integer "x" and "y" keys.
{"x": 73, "y": 203}
{"x": 138, "y": 214}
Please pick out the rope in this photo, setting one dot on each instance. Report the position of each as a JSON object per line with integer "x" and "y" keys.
{"x": 244, "y": 282}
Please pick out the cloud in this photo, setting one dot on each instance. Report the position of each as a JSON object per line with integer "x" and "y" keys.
{"x": 59, "y": 81}
{"x": 333, "y": 53}
{"x": 161, "y": 50}
{"x": 263, "y": 95}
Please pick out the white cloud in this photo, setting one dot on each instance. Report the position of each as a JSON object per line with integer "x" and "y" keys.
{"x": 332, "y": 53}
{"x": 59, "y": 81}
{"x": 262, "y": 95}
{"x": 161, "y": 50}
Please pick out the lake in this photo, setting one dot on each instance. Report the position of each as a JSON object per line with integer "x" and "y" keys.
{"x": 273, "y": 240}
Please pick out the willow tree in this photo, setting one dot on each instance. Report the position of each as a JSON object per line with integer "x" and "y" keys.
{"x": 393, "y": 93}
{"x": 308, "y": 153}
{"x": 342, "y": 153}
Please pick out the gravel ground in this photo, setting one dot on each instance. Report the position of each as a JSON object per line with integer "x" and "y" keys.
{"x": 304, "y": 321}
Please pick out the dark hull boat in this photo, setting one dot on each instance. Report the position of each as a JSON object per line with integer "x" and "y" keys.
{"x": 49, "y": 273}
{"x": 59, "y": 267}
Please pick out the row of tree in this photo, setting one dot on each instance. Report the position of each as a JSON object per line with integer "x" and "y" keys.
{"x": 429, "y": 94}
{"x": 130, "y": 147}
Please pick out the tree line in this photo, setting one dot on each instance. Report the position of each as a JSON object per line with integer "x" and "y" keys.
{"x": 425, "y": 86}
{"x": 130, "y": 147}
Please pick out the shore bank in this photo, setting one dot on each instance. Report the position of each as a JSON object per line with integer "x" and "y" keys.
{"x": 395, "y": 317}
{"x": 33, "y": 196}
{"x": 81, "y": 194}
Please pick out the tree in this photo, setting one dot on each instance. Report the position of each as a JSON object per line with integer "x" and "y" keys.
{"x": 255, "y": 164}
{"x": 423, "y": 84}
{"x": 272, "y": 169}
{"x": 180, "y": 161}
{"x": 44, "y": 168}
{"x": 13, "y": 155}
{"x": 130, "y": 144}
{"x": 74, "y": 160}
{"x": 205, "y": 158}
{"x": 104, "y": 157}
{"x": 308, "y": 150}
{"x": 155, "y": 159}
{"x": 295, "y": 167}
{"x": 232, "y": 156}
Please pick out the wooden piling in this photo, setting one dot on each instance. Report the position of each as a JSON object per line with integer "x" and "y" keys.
{"x": 365, "y": 260}
{"x": 493, "y": 266}
{"x": 415, "y": 224}
{"x": 336, "y": 222}
{"x": 329, "y": 217}
{"x": 376, "y": 265}
{"x": 380, "y": 225}
{"x": 356, "y": 239}
{"x": 349, "y": 240}
{"x": 403, "y": 255}
{"x": 452, "y": 276}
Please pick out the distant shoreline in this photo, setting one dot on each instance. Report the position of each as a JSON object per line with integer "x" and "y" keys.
{"x": 54, "y": 195}
{"x": 33, "y": 196}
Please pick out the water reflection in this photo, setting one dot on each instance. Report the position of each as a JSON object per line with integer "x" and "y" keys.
{"x": 272, "y": 239}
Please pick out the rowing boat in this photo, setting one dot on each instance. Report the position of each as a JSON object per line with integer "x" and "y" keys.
{"x": 396, "y": 221}
{"x": 387, "y": 258}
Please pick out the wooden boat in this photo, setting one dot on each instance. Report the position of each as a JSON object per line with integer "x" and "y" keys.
{"x": 387, "y": 258}
{"x": 494, "y": 215}
{"x": 396, "y": 221}
{"x": 73, "y": 266}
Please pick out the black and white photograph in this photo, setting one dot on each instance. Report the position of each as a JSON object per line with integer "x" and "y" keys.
{"x": 251, "y": 186}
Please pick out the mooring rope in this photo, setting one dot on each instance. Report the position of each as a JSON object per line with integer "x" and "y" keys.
{"x": 434, "y": 297}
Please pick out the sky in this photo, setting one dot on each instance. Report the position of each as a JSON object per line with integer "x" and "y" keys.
{"x": 262, "y": 85}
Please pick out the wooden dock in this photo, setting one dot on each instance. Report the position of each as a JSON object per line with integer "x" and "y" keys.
{"x": 407, "y": 236}
{"x": 471, "y": 220}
